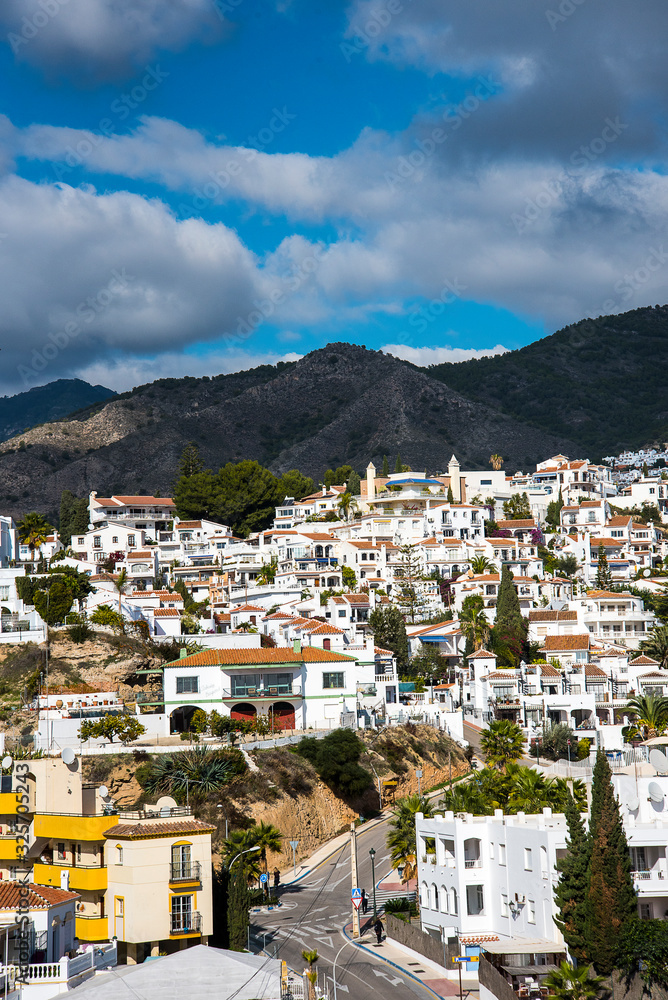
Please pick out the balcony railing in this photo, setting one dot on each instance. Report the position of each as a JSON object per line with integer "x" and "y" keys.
{"x": 473, "y": 863}
{"x": 185, "y": 871}
{"x": 186, "y": 923}
{"x": 276, "y": 691}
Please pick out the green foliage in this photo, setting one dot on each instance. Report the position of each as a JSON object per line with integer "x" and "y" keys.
{"x": 54, "y": 604}
{"x": 554, "y": 742}
{"x": 569, "y": 982}
{"x": 398, "y": 467}
{"x": 644, "y": 950}
{"x": 80, "y": 631}
{"x": 474, "y": 623}
{"x": 73, "y": 516}
{"x": 570, "y": 893}
{"x": 611, "y": 899}
{"x": 243, "y": 494}
{"x": 199, "y": 722}
{"x": 126, "y": 728}
{"x": 386, "y": 468}
{"x": 354, "y": 484}
{"x": 337, "y": 477}
{"x": 517, "y": 789}
{"x": 603, "y": 574}
{"x": 389, "y": 632}
{"x": 238, "y": 902}
{"x": 656, "y": 645}
{"x": 650, "y": 713}
{"x": 104, "y": 614}
{"x": 262, "y": 835}
{"x": 348, "y": 577}
{"x": 409, "y": 594}
{"x": 553, "y": 515}
{"x": 502, "y": 742}
{"x": 517, "y": 508}
{"x": 510, "y": 627}
{"x": 195, "y": 773}
{"x": 401, "y": 841}
{"x": 33, "y": 524}
{"x": 336, "y": 759}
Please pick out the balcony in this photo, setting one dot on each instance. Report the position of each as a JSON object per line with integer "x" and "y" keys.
{"x": 473, "y": 863}
{"x": 92, "y": 878}
{"x": 263, "y": 693}
{"x": 91, "y": 927}
{"x": 651, "y": 882}
{"x": 185, "y": 923}
{"x": 186, "y": 871}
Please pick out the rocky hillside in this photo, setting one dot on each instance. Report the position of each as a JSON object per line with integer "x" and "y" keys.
{"x": 341, "y": 404}
{"x": 47, "y": 402}
{"x": 287, "y": 792}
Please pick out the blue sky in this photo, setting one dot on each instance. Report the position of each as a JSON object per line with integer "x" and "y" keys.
{"x": 196, "y": 186}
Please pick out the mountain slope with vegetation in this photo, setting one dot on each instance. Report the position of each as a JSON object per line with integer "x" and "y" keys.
{"x": 47, "y": 402}
{"x": 601, "y": 382}
{"x": 341, "y": 404}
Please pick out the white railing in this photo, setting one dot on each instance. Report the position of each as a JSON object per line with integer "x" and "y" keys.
{"x": 474, "y": 863}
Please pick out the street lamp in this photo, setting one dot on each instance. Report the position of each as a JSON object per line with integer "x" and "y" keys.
{"x": 349, "y": 941}
{"x": 248, "y": 851}
{"x": 372, "y": 855}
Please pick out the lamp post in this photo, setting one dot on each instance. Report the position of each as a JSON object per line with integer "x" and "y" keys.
{"x": 248, "y": 851}
{"x": 335, "y": 961}
{"x": 372, "y": 855}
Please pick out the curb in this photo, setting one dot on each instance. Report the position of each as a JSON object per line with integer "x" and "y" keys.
{"x": 388, "y": 961}
{"x": 365, "y": 826}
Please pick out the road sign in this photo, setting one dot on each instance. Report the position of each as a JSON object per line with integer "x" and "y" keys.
{"x": 264, "y": 877}
{"x": 356, "y": 897}
{"x": 466, "y": 958}
{"x": 294, "y": 844}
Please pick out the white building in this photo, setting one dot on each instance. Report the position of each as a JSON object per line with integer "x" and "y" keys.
{"x": 8, "y": 541}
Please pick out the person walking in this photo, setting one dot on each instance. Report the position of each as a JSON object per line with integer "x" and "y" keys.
{"x": 378, "y": 927}
{"x": 365, "y": 901}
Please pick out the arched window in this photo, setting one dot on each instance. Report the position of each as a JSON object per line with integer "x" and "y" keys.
{"x": 434, "y": 898}
{"x": 119, "y": 854}
{"x": 424, "y": 895}
{"x": 444, "y": 899}
{"x": 453, "y": 902}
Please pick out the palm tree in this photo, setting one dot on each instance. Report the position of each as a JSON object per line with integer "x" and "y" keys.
{"x": 496, "y": 461}
{"x": 481, "y": 564}
{"x": 267, "y": 838}
{"x": 401, "y": 837}
{"x": 475, "y": 626}
{"x": 347, "y": 503}
{"x": 531, "y": 790}
{"x": 120, "y": 583}
{"x": 651, "y": 714}
{"x": 33, "y": 530}
{"x": 571, "y": 983}
{"x": 268, "y": 572}
{"x": 311, "y": 957}
{"x": 656, "y": 644}
{"x": 502, "y": 742}
{"x": 469, "y": 797}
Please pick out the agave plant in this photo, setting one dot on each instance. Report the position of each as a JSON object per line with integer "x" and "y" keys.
{"x": 193, "y": 773}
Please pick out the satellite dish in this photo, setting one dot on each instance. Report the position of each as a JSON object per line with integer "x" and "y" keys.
{"x": 104, "y": 791}
{"x": 659, "y": 761}
{"x": 633, "y": 803}
{"x": 646, "y": 572}
{"x": 6, "y": 761}
{"x": 655, "y": 791}
{"x": 165, "y": 802}
{"x": 68, "y": 755}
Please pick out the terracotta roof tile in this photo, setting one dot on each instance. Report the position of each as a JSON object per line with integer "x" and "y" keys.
{"x": 40, "y": 897}
{"x": 644, "y": 661}
{"x": 163, "y": 501}
{"x": 138, "y": 831}
{"x": 592, "y": 671}
{"x": 166, "y": 613}
{"x": 553, "y": 616}
{"x": 222, "y": 657}
{"x": 554, "y": 643}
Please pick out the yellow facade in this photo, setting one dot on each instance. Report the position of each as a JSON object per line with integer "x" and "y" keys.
{"x": 70, "y": 828}
{"x": 86, "y": 879}
{"x": 92, "y": 928}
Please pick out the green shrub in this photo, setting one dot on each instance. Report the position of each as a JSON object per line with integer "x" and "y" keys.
{"x": 336, "y": 759}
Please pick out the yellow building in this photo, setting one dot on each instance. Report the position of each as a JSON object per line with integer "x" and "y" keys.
{"x": 143, "y": 877}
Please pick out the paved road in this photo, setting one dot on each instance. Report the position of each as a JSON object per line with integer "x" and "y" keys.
{"x": 313, "y": 914}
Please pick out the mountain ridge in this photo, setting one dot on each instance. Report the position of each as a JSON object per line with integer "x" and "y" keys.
{"x": 45, "y": 403}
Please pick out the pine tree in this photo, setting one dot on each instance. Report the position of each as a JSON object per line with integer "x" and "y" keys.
{"x": 451, "y": 498}
{"x": 389, "y": 632}
{"x": 571, "y": 891}
{"x": 386, "y": 467}
{"x": 603, "y": 574}
{"x": 190, "y": 463}
{"x": 398, "y": 467}
{"x": 237, "y": 908}
{"x": 410, "y": 594}
{"x": 611, "y": 900}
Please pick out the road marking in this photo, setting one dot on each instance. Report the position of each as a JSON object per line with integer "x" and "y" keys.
{"x": 339, "y": 986}
{"x": 326, "y": 940}
{"x": 383, "y": 975}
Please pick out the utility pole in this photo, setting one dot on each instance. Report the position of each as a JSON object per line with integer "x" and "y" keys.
{"x": 353, "y": 873}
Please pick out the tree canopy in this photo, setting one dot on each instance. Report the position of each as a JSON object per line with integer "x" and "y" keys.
{"x": 389, "y": 632}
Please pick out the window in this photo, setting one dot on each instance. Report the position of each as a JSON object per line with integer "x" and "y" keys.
{"x": 333, "y": 680}
{"x": 504, "y": 904}
{"x": 527, "y": 859}
{"x": 114, "y": 539}
{"x": 474, "y": 900}
{"x": 444, "y": 899}
{"x": 97, "y": 542}
{"x": 453, "y": 902}
{"x": 131, "y": 541}
{"x": 119, "y": 900}
{"x": 61, "y": 852}
{"x": 491, "y": 849}
{"x": 187, "y": 685}
{"x": 80, "y": 541}
{"x": 502, "y": 854}
{"x": 76, "y": 851}
{"x": 342, "y": 613}
{"x": 119, "y": 856}
{"x": 182, "y": 861}
{"x": 531, "y": 911}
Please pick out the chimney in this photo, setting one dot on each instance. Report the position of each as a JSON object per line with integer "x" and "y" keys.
{"x": 370, "y": 481}
{"x": 455, "y": 484}
{"x": 183, "y": 652}
{"x": 297, "y": 645}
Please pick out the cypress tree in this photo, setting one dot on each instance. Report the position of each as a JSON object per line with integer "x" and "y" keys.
{"x": 510, "y": 627}
{"x": 237, "y": 908}
{"x": 611, "y": 900}
{"x": 451, "y": 498}
{"x": 398, "y": 467}
{"x": 603, "y": 574}
{"x": 571, "y": 891}
{"x": 386, "y": 467}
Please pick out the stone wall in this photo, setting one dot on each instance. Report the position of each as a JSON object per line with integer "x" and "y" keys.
{"x": 418, "y": 940}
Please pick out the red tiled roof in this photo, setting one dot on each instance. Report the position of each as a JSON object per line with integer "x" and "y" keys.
{"x": 39, "y": 897}
{"x": 139, "y": 831}
{"x": 166, "y": 613}
{"x": 248, "y": 607}
{"x": 592, "y": 671}
{"x": 187, "y": 524}
{"x": 163, "y": 501}
{"x": 644, "y": 661}
{"x": 481, "y": 654}
{"x": 565, "y": 642}
{"x": 553, "y": 616}
{"x": 519, "y": 523}
{"x": 221, "y": 657}
{"x": 382, "y": 652}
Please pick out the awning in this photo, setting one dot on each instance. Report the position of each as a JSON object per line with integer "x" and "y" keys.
{"x": 526, "y": 946}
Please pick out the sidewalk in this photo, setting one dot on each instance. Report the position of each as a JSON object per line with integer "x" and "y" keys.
{"x": 412, "y": 964}
{"x": 308, "y": 865}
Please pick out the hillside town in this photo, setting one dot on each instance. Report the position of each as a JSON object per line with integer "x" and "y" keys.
{"x": 517, "y": 616}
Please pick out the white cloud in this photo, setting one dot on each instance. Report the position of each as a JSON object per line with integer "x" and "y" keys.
{"x": 425, "y": 356}
{"x": 92, "y": 41}
{"x": 125, "y": 373}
